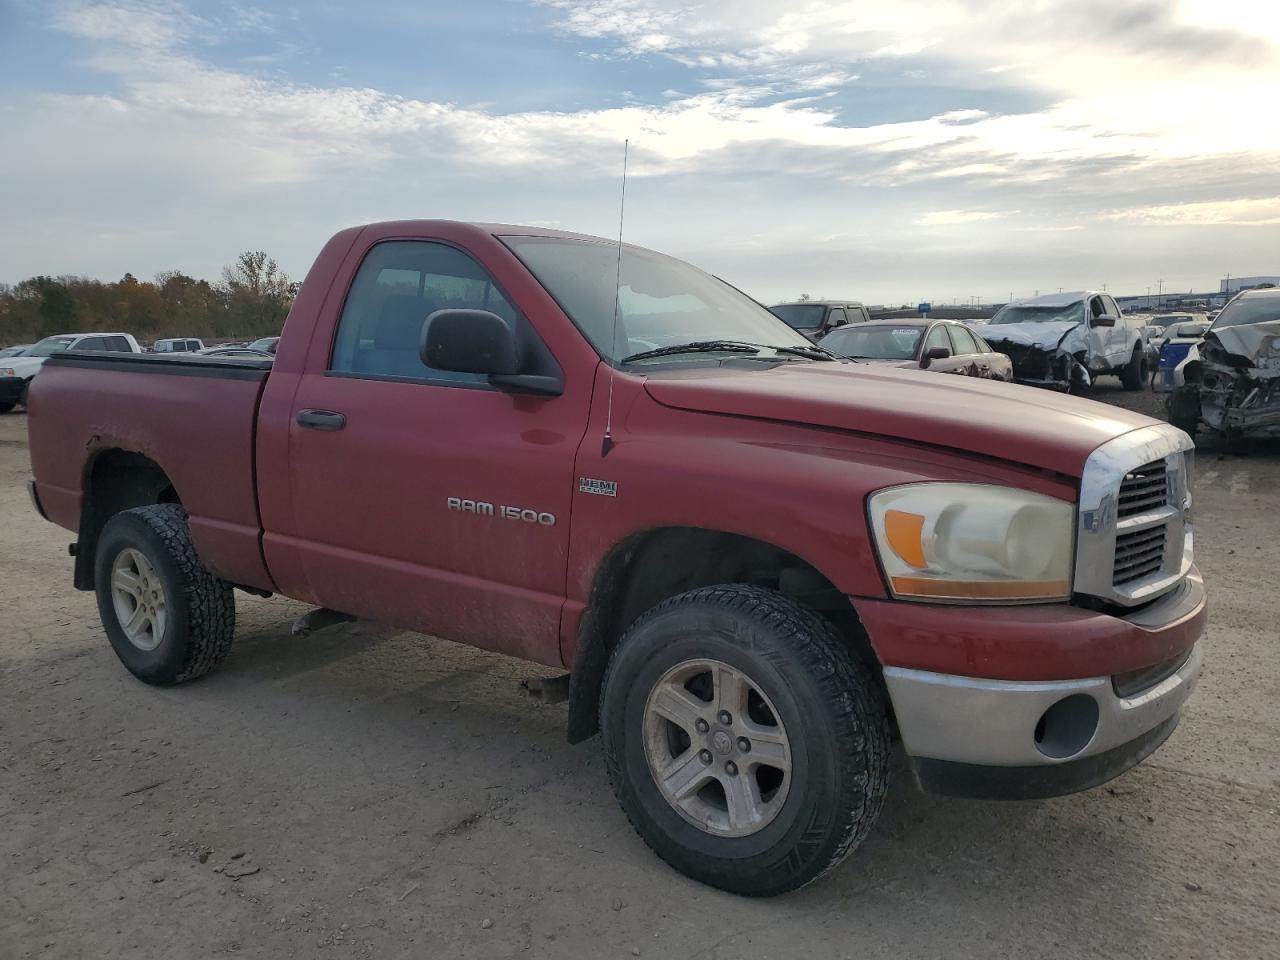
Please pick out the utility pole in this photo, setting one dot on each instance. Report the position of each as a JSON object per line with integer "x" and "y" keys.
{"x": 1160, "y": 294}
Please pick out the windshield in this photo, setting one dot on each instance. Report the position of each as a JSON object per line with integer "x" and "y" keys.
{"x": 874, "y": 343}
{"x": 1243, "y": 311}
{"x": 1169, "y": 320}
{"x": 800, "y": 316}
{"x": 662, "y": 301}
{"x": 49, "y": 346}
{"x": 1071, "y": 312}
{"x": 266, "y": 344}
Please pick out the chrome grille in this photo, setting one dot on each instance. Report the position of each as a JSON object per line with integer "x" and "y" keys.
{"x": 1134, "y": 539}
{"x": 1144, "y": 489}
{"x": 1139, "y": 554}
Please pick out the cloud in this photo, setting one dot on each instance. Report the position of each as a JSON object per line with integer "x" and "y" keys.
{"x": 755, "y": 133}
{"x": 951, "y": 218}
{"x": 1257, "y": 212}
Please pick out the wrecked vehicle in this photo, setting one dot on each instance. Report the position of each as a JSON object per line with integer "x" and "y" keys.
{"x": 1064, "y": 341}
{"x": 1230, "y": 382}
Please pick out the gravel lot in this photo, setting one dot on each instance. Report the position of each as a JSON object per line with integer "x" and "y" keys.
{"x": 363, "y": 792}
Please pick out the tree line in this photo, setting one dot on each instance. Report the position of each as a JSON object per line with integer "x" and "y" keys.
{"x": 251, "y": 299}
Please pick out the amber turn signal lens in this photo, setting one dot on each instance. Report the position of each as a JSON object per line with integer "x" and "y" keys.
{"x": 904, "y": 531}
{"x": 927, "y": 589}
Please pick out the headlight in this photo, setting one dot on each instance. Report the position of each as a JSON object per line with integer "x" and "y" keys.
{"x": 973, "y": 542}
{"x": 8, "y": 372}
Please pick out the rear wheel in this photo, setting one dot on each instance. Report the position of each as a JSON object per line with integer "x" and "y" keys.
{"x": 1133, "y": 376}
{"x": 743, "y": 741}
{"x": 167, "y": 617}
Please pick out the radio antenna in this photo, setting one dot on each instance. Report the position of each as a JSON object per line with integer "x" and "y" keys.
{"x": 607, "y": 443}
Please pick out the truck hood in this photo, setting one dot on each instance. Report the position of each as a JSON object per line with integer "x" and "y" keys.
{"x": 1048, "y": 336}
{"x": 1259, "y": 343}
{"x": 1017, "y": 424}
{"x": 24, "y": 366}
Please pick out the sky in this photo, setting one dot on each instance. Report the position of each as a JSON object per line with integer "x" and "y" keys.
{"x": 888, "y": 152}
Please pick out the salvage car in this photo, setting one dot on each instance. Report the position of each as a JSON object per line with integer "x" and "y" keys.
{"x": 1175, "y": 344}
{"x": 1230, "y": 381}
{"x": 754, "y": 559}
{"x": 942, "y": 346}
{"x": 816, "y": 318}
{"x": 1065, "y": 340}
{"x": 16, "y": 373}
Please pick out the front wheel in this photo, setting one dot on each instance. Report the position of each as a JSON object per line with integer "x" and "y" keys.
{"x": 743, "y": 741}
{"x": 1133, "y": 376}
{"x": 167, "y": 617}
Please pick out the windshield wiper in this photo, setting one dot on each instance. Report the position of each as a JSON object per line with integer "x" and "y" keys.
{"x": 728, "y": 346}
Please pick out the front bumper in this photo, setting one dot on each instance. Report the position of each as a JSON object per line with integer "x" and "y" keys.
{"x": 11, "y": 389}
{"x": 1029, "y": 733}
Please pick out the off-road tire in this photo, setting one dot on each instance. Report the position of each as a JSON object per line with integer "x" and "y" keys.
{"x": 832, "y": 709}
{"x": 1182, "y": 409}
{"x": 201, "y": 609}
{"x": 1134, "y": 374}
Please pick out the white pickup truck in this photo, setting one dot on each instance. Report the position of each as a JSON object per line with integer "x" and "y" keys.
{"x": 16, "y": 373}
{"x": 1065, "y": 340}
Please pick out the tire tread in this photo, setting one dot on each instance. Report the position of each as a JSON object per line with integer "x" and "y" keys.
{"x": 854, "y": 697}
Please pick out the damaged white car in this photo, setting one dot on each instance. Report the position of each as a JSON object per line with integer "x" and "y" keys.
{"x": 1065, "y": 340}
{"x": 1230, "y": 382}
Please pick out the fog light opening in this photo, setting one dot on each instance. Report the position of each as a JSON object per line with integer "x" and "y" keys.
{"x": 1067, "y": 727}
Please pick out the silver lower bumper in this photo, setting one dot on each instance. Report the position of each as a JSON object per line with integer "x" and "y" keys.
{"x": 996, "y": 722}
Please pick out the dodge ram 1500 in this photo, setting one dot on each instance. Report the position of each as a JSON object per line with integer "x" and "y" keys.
{"x": 761, "y": 565}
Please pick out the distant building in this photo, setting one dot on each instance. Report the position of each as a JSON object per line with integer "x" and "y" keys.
{"x": 1236, "y": 284}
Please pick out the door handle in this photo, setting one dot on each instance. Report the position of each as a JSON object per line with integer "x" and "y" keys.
{"x": 321, "y": 420}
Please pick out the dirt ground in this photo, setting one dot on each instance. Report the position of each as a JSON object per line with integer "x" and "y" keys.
{"x": 368, "y": 793}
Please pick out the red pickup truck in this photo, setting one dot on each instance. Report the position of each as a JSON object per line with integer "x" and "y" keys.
{"x": 760, "y": 564}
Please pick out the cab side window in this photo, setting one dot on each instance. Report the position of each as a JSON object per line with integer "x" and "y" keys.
{"x": 399, "y": 284}
{"x": 91, "y": 343}
{"x": 837, "y": 318}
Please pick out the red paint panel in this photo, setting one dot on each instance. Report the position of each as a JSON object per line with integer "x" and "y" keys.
{"x": 1050, "y": 642}
{"x": 198, "y": 429}
{"x": 1023, "y": 424}
{"x": 799, "y": 487}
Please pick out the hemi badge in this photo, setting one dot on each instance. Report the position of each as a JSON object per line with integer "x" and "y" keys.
{"x": 601, "y": 488}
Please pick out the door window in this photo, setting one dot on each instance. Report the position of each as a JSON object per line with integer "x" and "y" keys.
{"x": 837, "y": 318}
{"x": 92, "y": 343}
{"x": 399, "y": 284}
{"x": 963, "y": 341}
{"x": 118, "y": 344}
{"x": 937, "y": 338}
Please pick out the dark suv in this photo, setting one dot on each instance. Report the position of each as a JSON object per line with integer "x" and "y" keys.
{"x": 816, "y": 318}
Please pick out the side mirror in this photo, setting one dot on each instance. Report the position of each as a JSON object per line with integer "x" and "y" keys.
{"x": 932, "y": 354}
{"x": 1106, "y": 320}
{"x": 470, "y": 341}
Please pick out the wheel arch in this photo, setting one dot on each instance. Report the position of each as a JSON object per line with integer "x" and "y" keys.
{"x": 115, "y": 479}
{"x": 648, "y": 567}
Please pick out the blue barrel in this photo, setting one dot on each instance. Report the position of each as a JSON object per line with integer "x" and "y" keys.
{"x": 1172, "y": 353}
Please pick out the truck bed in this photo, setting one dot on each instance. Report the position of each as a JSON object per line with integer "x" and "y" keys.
{"x": 194, "y": 417}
